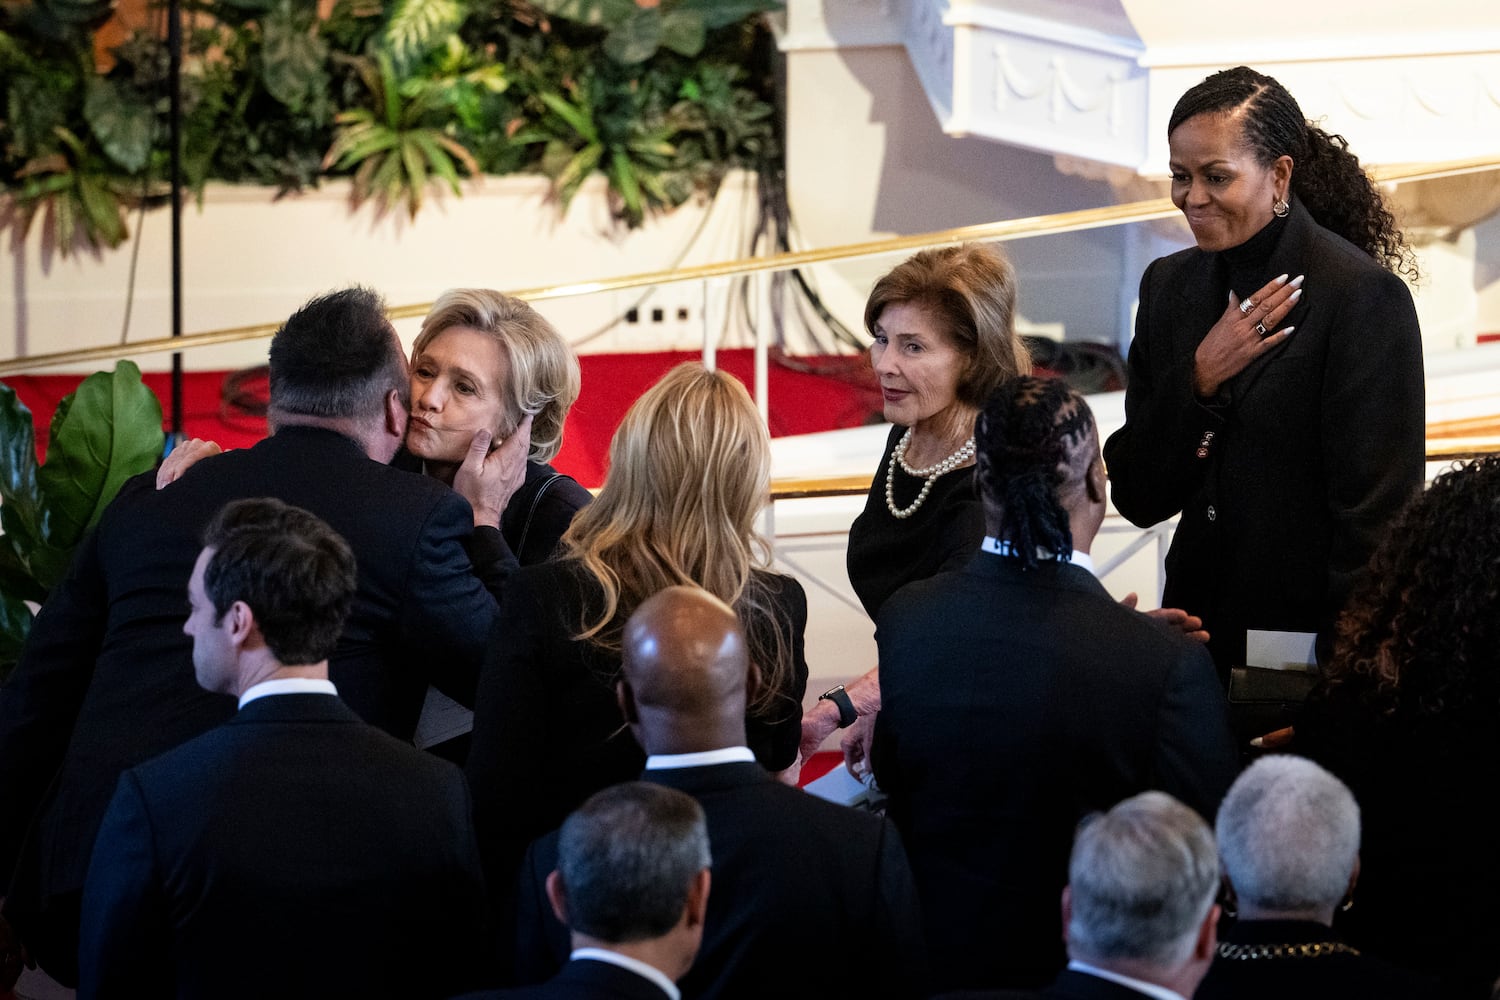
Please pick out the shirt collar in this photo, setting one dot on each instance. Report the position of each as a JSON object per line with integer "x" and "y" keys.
{"x": 1001, "y": 547}
{"x": 635, "y": 965}
{"x": 287, "y": 685}
{"x": 1140, "y": 986}
{"x": 725, "y": 755}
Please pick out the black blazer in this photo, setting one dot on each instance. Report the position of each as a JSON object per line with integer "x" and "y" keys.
{"x": 293, "y": 852}
{"x": 1013, "y": 703}
{"x": 582, "y": 979}
{"x": 548, "y": 731}
{"x": 1286, "y": 480}
{"x": 809, "y": 899}
{"x": 106, "y": 679}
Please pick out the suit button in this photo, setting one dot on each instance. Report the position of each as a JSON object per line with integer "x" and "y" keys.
{"x": 1213, "y": 515}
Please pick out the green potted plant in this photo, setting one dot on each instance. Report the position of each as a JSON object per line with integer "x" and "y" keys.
{"x": 102, "y": 433}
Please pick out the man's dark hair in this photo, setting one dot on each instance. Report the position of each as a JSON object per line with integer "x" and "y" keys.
{"x": 627, "y": 858}
{"x": 295, "y": 573}
{"x": 336, "y": 357}
{"x": 1034, "y": 441}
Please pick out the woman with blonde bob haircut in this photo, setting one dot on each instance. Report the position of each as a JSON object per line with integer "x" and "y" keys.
{"x": 689, "y": 470}
{"x": 483, "y": 362}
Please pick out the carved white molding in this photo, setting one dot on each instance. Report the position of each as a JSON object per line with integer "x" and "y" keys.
{"x": 819, "y": 25}
{"x": 1059, "y": 87}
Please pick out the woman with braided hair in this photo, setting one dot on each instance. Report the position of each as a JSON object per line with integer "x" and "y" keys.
{"x": 1275, "y": 397}
{"x": 1407, "y": 713}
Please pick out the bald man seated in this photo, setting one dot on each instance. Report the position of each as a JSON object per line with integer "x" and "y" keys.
{"x": 810, "y": 899}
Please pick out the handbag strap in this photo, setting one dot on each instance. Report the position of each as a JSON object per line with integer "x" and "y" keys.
{"x": 536, "y": 498}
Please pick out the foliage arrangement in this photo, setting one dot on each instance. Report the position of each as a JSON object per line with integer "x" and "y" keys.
{"x": 104, "y": 432}
{"x": 663, "y": 97}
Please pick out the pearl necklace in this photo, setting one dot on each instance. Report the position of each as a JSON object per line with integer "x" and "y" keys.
{"x": 931, "y": 475}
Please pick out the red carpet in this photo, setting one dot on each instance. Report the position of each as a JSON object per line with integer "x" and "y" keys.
{"x": 807, "y": 394}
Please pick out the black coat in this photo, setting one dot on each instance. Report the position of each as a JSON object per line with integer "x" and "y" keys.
{"x": 1287, "y": 479}
{"x": 1013, "y": 703}
{"x": 292, "y": 852}
{"x": 106, "y": 679}
{"x": 808, "y": 898}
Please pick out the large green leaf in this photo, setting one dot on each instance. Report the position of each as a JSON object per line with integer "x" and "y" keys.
{"x": 636, "y": 38}
{"x": 684, "y": 32}
{"x": 110, "y": 431}
{"x": 122, "y": 122}
{"x": 20, "y": 499}
{"x": 292, "y": 59}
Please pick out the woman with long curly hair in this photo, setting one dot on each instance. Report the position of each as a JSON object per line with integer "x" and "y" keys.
{"x": 689, "y": 470}
{"x": 1275, "y": 397}
{"x": 1407, "y": 713}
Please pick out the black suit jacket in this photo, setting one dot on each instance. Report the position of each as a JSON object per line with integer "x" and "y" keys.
{"x": 106, "y": 679}
{"x": 582, "y": 979}
{"x": 1286, "y": 480}
{"x": 293, "y": 851}
{"x": 1013, "y": 703}
{"x": 809, "y": 899}
{"x": 548, "y": 731}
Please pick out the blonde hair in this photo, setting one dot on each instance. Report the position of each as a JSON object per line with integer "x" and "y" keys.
{"x": 971, "y": 288}
{"x": 544, "y": 377}
{"x": 689, "y": 469}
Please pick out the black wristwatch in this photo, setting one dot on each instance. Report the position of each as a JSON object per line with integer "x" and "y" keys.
{"x": 840, "y": 697}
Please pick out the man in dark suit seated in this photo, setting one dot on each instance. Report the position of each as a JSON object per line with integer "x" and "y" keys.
{"x": 1018, "y": 696}
{"x": 632, "y": 885}
{"x": 105, "y": 680}
{"x": 294, "y": 851}
{"x": 1138, "y": 911}
{"x": 810, "y": 899}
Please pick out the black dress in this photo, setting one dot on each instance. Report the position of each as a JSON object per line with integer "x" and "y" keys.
{"x": 548, "y": 731}
{"x": 1301, "y": 960}
{"x": 537, "y": 515}
{"x": 886, "y": 552}
{"x": 1287, "y": 478}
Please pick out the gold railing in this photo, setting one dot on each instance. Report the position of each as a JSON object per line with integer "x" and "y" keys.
{"x": 1008, "y": 229}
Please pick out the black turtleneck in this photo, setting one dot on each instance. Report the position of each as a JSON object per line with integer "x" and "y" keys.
{"x": 1248, "y": 265}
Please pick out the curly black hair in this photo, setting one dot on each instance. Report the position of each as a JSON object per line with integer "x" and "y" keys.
{"x": 1326, "y": 177}
{"x": 1032, "y": 443}
{"x": 1420, "y": 637}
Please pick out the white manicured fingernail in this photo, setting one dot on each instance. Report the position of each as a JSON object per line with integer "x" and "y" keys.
{"x": 1297, "y": 281}
{"x": 1294, "y": 296}
{"x": 1288, "y": 330}
{"x": 1281, "y": 280}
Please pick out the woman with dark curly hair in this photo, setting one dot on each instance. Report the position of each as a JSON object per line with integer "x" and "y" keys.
{"x": 1275, "y": 396}
{"x": 1408, "y": 715}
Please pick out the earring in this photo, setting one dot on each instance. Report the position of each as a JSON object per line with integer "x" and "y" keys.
{"x": 1347, "y": 904}
{"x": 1281, "y": 208}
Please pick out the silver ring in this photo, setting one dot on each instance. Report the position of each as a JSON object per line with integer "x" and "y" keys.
{"x": 1246, "y": 306}
{"x": 1260, "y": 328}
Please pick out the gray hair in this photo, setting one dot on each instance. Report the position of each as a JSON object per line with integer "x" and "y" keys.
{"x": 627, "y": 858}
{"x": 1142, "y": 877}
{"x": 1288, "y": 834}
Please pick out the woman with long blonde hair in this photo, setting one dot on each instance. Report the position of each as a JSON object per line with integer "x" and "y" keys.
{"x": 689, "y": 471}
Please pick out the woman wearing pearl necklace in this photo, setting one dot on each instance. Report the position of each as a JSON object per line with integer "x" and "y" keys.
{"x": 943, "y": 324}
